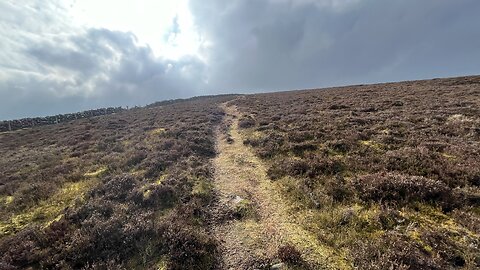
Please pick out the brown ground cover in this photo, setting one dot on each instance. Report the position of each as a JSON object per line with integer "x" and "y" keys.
{"x": 382, "y": 176}
{"x": 389, "y": 174}
{"x": 128, "y": 190}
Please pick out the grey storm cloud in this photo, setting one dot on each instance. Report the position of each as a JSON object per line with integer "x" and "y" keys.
{"x": 269, "y": 45}
{"x": 253, "y": 45}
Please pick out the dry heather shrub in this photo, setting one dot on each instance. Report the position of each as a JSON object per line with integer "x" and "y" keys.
{"x": 338, "y": 188}
{"x": 323, "y": 165}
{"x": 399, "y": 188}
{"x": 246, "y": 122}
{"x": 20, "y": 251}
{"x": 299, "y": 149}
{"x": 341, "y": 146}
{"x": 189, "y": 248}
{"x": 391, "y": 251}
{"x": 259, "y": 263}
{"x": 289, "y": 254}
{"x": 446, "y": 249}
{"x": 424, "y": 162}
{"x": 109, "y": 264}
{"x": 118, "y": 188}
{"x": 160, "y": 197}
{"x": 116, "y": 224}
{"x": 284, "y": 167}
{"x": 32, "y": 193}
{"x": 312, "y": 166}
{"x": 467, "y": 219}
{"x": 136, "y": 157}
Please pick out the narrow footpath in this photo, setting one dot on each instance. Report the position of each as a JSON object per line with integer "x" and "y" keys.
{"x": 251, "y": 220}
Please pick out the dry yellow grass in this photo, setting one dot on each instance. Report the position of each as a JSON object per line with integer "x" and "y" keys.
{"x": 49, "y": 210}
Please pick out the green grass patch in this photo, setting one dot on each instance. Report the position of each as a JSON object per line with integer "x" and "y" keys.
{"x": 373, "y": 144}
{"x": 157, "y": 131}
{"x": 245, "y": 209}
{"x": 202, "y": 188}
{"x": 96, "y": 173}
{"x": 6, "y": 200}
{"x": 48, "y": 210}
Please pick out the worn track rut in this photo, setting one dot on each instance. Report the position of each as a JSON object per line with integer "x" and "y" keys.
{"x": 242, "y": 185}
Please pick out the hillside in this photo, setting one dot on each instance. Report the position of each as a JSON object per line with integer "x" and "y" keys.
{"x": 383, "y": 176}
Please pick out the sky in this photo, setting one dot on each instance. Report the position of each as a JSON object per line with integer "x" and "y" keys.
{"x": 73, "y": 55}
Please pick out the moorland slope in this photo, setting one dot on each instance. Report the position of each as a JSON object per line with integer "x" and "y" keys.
{"x": 383, "y": 176}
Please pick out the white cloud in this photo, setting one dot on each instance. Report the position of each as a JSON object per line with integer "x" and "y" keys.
{"x": 58, "y": 56}
{"x": 49, "y": 57}
{"x": 150, "y": 21}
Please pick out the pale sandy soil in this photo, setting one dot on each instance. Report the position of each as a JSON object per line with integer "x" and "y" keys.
{"x": 241, "y": 179}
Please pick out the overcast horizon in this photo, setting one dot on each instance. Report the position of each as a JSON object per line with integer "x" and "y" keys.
{"x": 68, "y": 56}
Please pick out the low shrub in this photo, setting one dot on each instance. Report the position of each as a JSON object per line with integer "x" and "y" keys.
{"x": 289, "y": 254}
{"x": 135, "y": 158}
{"x": 189, "y": 248}
{"x": 31, "y": 194}
{"x": 448, "y": 251}
{"x": 117, "y": 188}
{"x": 160, "y": 197}
{"x": 391, "y": 251}
{"x": 246, "y": 122}
{"x": 23, "y": 250}
{"x": 310, "y": 166}
{"x": 338, "y": 189}
{"x": 324, "y": 165}
{"x": 284, "y": 167}
{"x": 399, "y": 188}
{"x": 300, "y": 148}
{"x": 120, "y": 222}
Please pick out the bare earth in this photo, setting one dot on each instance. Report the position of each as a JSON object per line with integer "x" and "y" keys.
{"x": 241, "y": 179}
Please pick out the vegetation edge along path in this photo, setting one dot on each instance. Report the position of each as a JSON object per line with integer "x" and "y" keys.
{"x": 251, "y": 219}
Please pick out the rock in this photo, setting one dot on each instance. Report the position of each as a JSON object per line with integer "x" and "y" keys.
{"x": 237, "y": 199}
{"x": 278, "y": 266}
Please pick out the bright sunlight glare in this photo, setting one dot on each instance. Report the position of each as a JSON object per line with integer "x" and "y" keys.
{"x": 165, "y": 26}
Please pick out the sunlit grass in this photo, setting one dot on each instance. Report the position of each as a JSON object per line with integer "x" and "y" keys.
{"x": 96, "y": 173}
{"x": 48, "y": 210}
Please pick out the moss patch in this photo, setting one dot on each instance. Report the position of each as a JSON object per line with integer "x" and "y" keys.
{"x": 202, "y": 188}
{"x": 375, "y": 145}
{"x": 147, "y": 193}
{"x": 6, "y": 200}
{"x": 48, "y": 210}
{"x": 162, "y": 264}
{"x": 96, "y": 173}
{"x": 161, "y": 179}
{"x": 157, "y": 131}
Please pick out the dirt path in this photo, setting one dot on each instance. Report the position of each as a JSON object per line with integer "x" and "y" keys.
{"x": 251, "y": 219}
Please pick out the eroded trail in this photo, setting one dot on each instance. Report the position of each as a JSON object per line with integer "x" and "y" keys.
{"x": 251, "y": 219}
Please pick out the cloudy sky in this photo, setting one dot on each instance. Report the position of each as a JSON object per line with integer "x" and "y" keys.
{"x": 63, "y": 56}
